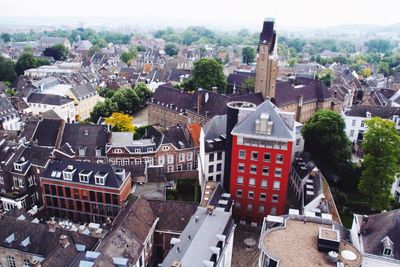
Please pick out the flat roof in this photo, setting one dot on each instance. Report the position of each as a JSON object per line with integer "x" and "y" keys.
{"x": 203, "y": 235}
{"x": 296, "y": 245}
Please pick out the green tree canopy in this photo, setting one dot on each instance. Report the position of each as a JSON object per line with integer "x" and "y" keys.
{"x": 208, "y": 73}
{"x": 126, "y": 100}
{"x": 248, "y": 55}
{"x": 127, "y": 56}
{"x": 327, "y": 142}
{"x": 58, "y": 52}
{"x": 327, "y": 75}
{"x": 6, "y": 37}
{"x": 7, "y": 70}
{"x": 381, "y": 146}
{"x": 171, "y": 49}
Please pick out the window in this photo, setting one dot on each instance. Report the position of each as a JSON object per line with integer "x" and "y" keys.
{"x": 278, "y": 172}
{"x": 211, "y": 157}
{"x": 264, "y": 183}
{"x": 165, "y": 148}
{"x": 250, "y": 195}
{"x": 26, "y": 263}
{"x": 240, "y": 140}
{"x": 17, "y": 167}
{"x": 11, "y": 261}
{"x": 273, "y": 211}
{"x": 252, "y": 182}
{"x": 239, "y": 193}
{"x": 267, "y": 157}
{"x": 277, "y": 185}
{"x": 1, "y": 180}
{"x": 353, "y": 123}
{"x": 181, "y": 157}
{"x": 218, "y": 178}
{"x": 15, "y": 182}
{"x": 126, "y": 161}
{"x": 387, "y": 252}
{"x": 298, "y": 142}
{"x": 20, "y": 182}
{"x": 118, "y": 150}
{"x": 170, "y": 159}
{"x": 362, "y": 124}
{"x": 219, "y": 156}
{"x": 219, "y": 167}
{"x": 237, "y": 205}
{"x": 30, "y": 181}
{"x": 265, "y": 171}
{"x": 254, "y": 155}
{"x": 84, "y": 176}
{"x": 100, "y": 180}
{"x": 189, "y": 166}
{"x": 242, "y": 154}
{"x": 279, "y": 158}
{"x": 149, "y": 149}
{"x": 239, "y": 180}
{"x": 240, "y": 167}
{"x": 249, "y": 207}
{"x": 98, "y": 152}
{"x": 210, "y": 178}
{"x": 351, "y": 133}
{"x": 170, "y": 168}
{"x": 137, "y": 150}
{"x": 161, "y": 160}
{"x": 211, "y": 168}
{"x": 179, "y": 167}
{"x": 263, "y": 196}
{"x": 261, "y": 209}
{"x": 253, "y": 169}
{"x": 275, "y": 198}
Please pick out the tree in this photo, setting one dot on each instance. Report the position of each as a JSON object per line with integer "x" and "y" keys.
{"x": 171, "y": 49}
{"x": 127, "y": 56}
{"x": 367, "y": 72}
{"x": 7, "y": 70}
{"x": 126, "y": 100}
{"x": 120, "y": 122}
{"x": 25, "y": 61}
{"x": 248, "y": 55}
{"x": 208, "y": 73}
{"x": 381, "y": 146}
{"x": 102, "y": 109}
{"x": 383, "y": 67}
{"x": 326, "y": 76}
{"x": 94, "y": 49}
{"x": 292, "y": 61}
{"x": 6, "y": 37}
{"x": 58, "y": 52}
{"x": 142, "y": 91}
{"x": 249, "y": 83}
{"x": 327, "y": 142}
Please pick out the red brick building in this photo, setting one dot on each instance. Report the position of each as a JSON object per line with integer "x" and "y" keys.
{"x": 262, "y": 143}
{"x": 83, "y": 191}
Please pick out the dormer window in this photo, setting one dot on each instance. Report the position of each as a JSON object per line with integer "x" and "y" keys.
{"x": 368, "y": 114}
{"x": 98, "y": 152}
{"x": 100, "y": 178}
{"x": 68, "y": 173}
{"x": 17, "y": 166}
{"x": 149, "y": 149}
{"x": 82, "y": 151}
{"x": 84, "y": 176}
{"x": 387, "y": 246}
{"x": 137, "y": 150}
{"x": 387, "y": 252}
{"x": 165, "y": 148}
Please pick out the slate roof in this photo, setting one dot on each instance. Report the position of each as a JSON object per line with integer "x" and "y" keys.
{"x": 52, "y": 40}
{"x": 215, "y": 127}
{"x": 47, "y": 131}
{"x": 376, "y": 111}
{"x": 38, "y": 156}
{"x": 83, "y": 90}
{"x": 237, "y": 79}
{"x": 377, "y": 228}
{"x": 171, "y": 221}
{"x": 84, "y": 45}
{"x": 177, "y": 137}
{"x": 48, "y": 99}
{"x": 91, "y": 137}
{"x": 42, "y": 241}
{"x": 279, "y": 128}
{"x": 7, "y": 110}
{"x": 112, "y": 180}
{"x": 311, "y": 90}
{"x": 128, "y": 235}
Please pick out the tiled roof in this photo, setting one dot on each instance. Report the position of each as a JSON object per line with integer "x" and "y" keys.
{"x": 47, "y": 131}
{"x": 83, "y": 90}
{"x": 376, "y": 111}
{"x": 194, "y": 130}
{"x": 215, "y": 127}
{"x": 48, "y": 99}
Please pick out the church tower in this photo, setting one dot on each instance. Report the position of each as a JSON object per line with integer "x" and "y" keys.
{"x": 267, "y": 61}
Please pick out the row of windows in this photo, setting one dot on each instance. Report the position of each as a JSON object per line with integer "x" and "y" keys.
{"x": 263, "y": 183}
{"x": 211, "y": 157}
{"x": 251, "y": 207}
{"x": 262, "y": 196}
{"x": 266, "y": 157}
{"x": 170, "y": 158}
{"x": 261, "y": 143}
{"x": 264, "y": 172}
{"x": 217, "y": 169}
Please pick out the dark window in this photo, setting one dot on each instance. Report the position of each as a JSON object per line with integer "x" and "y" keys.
{"x": 218, "y": 178}
{"x": 99, "y": 197}
{"x": 76, "y": 193}
{"x": 211, "y": 157}
{"x": 87, "y": 206}
{"x": 101, "y": 209}
{"x": 60, "y": 191}
{"x": 55, "y": 201}
{"x": 53, "y": 190}
{"x": 211, "y": 168}
{"x": 84, "y": 194}
{"x": 62, "y": 201}
{"x": 219, "y": 156}
{"x": 108, "y": 198}
{"x": 115, "y": 200}
{"x": 109, "y": 210}
{"x": 67, "y": 192}
{"x": 79, "y": 205}
{"x": 47, "y": 189}
{"x": 94, "y": 208}
{"x": 48, "y": 201}
{"x": 115, "y": 211}
{"x": 92, "y": 196}
{"x": 219, "y": 167}
{"x": 70, "y": 204}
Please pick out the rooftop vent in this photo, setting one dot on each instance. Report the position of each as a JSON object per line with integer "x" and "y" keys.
{"x": 210, "y": 209}
{"x": 10, "y": 238}
{"x": 263, "y": 125}
{"x": 25, "y": 242}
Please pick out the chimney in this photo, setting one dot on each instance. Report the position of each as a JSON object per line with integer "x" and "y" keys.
{"x": 34, "y": 263}
{"x": 210, "y": 209}
{"x": 214, "y": 89}
{"x": 64, "y": 241}
{"x": 200, "y": 99}
{"x": 52, "y": 226}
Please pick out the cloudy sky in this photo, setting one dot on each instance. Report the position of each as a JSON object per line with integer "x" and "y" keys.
{"x": 288, "y": 13}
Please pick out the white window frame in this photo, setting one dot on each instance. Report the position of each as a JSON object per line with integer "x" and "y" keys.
{"x": 181, "y": 157}
{"x": 239, "y": 180}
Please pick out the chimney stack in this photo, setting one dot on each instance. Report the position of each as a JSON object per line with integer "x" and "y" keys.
{"x": 52, "y": 226}
{"x": 64, "y": 241}
{"x": 34, "y": 263}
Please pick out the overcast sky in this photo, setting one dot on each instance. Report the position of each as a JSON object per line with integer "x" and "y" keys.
{"x": 248, "y": 13}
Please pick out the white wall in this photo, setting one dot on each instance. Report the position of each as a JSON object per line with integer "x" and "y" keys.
{"x": 66, "y": 111}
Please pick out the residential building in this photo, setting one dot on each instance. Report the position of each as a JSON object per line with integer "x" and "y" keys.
{"x": 212, "y": 151}
{"x": 298, "y": 240}
{"x": 9, "y": 117}
{"x": 207, "y": 240}
{"x": 64, "y": 107}
{"x": 263, "y": 141}
{"x": 169, "y": 106}
{"x": 46, "y": 42}
{"x": 377, "y": 239}
{"x": 83, "y": 191}
{"x": 395, "y": 190}
{"x": 27, "y": 242}
{"x": 356, "y": 117}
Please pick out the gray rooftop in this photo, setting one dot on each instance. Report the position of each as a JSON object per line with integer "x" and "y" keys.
{"x": 279, "y": 130}
{"x": 120, "y": 139}
{"x": 203, "y": 235}
{"x": 215, "y": 127}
